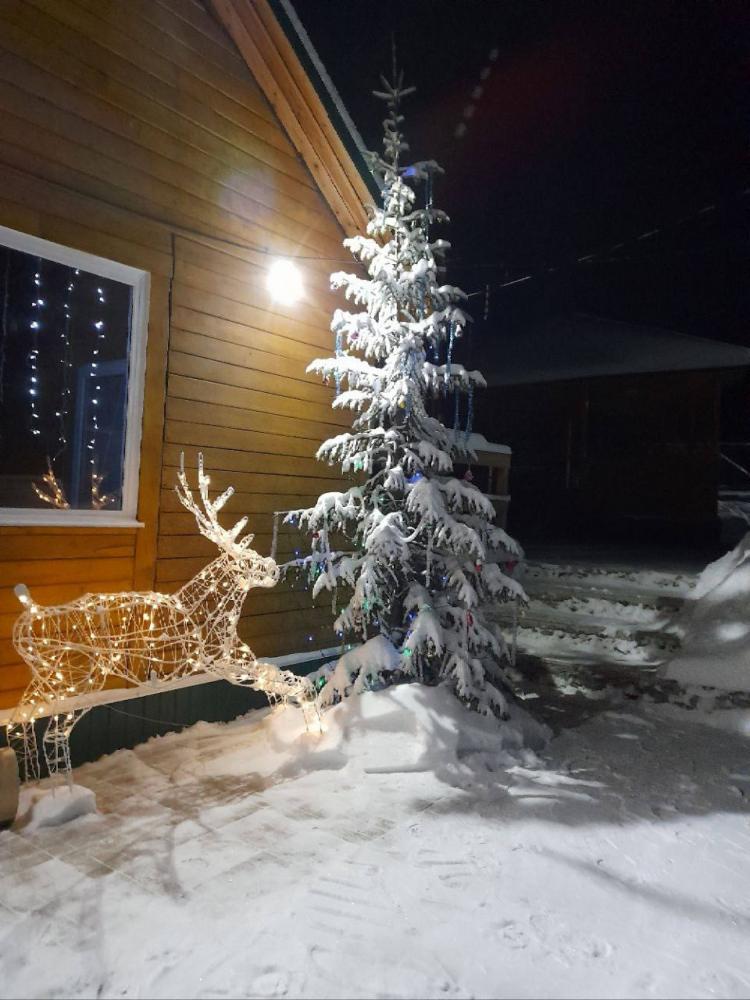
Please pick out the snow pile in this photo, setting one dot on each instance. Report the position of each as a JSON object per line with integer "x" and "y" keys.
{"x": 39, "y": 806}
{"x": 715, "y": 626}
{"x": 407, "y": 728}
{"x": 359, "y": 669}
{"x": 412, "y": 727}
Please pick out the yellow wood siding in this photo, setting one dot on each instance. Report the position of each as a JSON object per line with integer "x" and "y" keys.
{"x": 136, "y": 132}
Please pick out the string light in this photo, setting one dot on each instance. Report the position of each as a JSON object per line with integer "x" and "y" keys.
{"x": 99, "y": 328}
{"x": 67, "y": 364}
{"x": 99, "y": 500}
{"x": 35, "y": 325}
{"x": 339, "y": 351}
{"x": 54, "y": 493}
{"x": 144, "y": 638}
{"x": 608, "y": 255}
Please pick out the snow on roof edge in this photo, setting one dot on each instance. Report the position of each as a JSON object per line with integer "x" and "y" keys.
{"x": 478, "y": 442}
{"x": 312, "y": 54}
{"x": 721, "y": 355}
{"x": 571, "y": 374}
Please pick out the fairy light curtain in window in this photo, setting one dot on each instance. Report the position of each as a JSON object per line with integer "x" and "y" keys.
{"x": 64, "y": 348}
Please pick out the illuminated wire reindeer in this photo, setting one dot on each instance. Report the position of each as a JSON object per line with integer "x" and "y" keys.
{"x": 144, "y": 638}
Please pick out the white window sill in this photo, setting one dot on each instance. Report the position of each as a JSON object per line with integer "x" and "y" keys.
{"x": 66, "y": 519}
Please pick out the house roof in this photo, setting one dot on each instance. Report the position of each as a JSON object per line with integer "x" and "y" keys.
{"x": 271, "y": 46}
{"x": 581, "y": 346}
{"x": 348, "y": 132}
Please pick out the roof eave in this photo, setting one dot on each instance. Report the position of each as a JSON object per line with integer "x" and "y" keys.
{"x": 275, "y": 65}
{"x": 334, "y": 105}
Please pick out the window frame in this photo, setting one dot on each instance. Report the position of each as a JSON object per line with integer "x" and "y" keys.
{"x": 139, "y": 282}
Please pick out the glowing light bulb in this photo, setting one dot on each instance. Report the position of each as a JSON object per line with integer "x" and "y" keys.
{"x": 285, "y": 282}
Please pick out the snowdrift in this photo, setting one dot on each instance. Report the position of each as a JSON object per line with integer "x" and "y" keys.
{"x": 53, "y": 805}
{"x": 408, "y": 728}
{"x": 413, "y": 727}
{"x": 404, "y": 728}
{"x": 715, "y": 626}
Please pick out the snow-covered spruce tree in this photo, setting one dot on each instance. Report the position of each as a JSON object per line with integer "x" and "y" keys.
{"x": 416, "y": 572}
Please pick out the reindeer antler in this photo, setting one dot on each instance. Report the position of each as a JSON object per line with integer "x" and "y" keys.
{"x": 207, "y": 519}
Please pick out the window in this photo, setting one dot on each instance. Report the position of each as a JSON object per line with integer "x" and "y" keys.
{"x": 72, "y": 354}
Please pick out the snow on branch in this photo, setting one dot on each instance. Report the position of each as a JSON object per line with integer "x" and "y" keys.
{"x": 422, "y": 587}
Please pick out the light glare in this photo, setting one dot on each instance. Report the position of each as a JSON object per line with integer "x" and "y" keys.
{"x": 285, "y": 282}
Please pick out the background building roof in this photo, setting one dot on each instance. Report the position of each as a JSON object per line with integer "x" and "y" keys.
{"x": 581, "y": 346}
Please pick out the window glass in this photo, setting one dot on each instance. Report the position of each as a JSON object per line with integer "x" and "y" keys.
{"x": 64, "y": 349}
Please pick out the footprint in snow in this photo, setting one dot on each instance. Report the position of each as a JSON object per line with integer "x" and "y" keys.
{"x": 568, "y": 946}
{"x": 270, "y": 983}
{"x": 513, "y": 935}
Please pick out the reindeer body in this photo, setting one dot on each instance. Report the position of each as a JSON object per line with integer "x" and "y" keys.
{"x": 143, "y": 638}
{"x": 213, "y": 600}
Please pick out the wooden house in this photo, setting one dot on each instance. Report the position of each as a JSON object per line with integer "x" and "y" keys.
{"x": 614, "y": 429}
{"x": 157, "y": 156}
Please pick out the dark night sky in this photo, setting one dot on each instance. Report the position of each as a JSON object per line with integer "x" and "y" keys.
{"x": 597, "y": 122}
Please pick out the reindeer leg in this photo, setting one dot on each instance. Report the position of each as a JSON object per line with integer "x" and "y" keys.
{"x": 21, "y": 732}
{"x": 57, "y": 746}
{"x": 70, "y": 724}
{"x": 22, "y": 740}
{"x": 279, "y": 686}
{"x": 311, "y": 715}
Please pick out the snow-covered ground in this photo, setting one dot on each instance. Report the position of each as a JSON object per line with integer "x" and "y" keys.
{"x": 402, "y": 853}
{"x": 604, "y": 613}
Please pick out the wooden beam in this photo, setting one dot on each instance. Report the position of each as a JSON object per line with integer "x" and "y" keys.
{"x": 152, "y": 434}
{"x": 276, "y": 68}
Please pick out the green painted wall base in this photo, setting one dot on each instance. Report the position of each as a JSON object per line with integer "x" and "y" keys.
{"x": 125, "y": 724}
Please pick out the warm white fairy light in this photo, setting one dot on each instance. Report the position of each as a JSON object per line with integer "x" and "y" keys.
{"x": 99, "y": 500}
{"x": 142, "y": 638}
{"x": 67, "y": 363}
{"x": 99, "y": 327}
{"x": 52, "y": 491}
{"x": 54, "y": 494}
{"x": 35, "y": 325}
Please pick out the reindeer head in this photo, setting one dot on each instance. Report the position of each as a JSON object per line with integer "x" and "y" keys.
{"x": 253, "y": 570}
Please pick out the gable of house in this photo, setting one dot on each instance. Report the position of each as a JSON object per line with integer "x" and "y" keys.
{"x": 137, "y": 132}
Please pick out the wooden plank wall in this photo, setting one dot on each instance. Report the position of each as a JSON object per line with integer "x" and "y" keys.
{"x": 135, "y": 131}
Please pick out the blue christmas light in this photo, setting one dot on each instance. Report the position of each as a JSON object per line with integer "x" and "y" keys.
{"x": 470, "y": 412}
{"x": 449, "y": 357}
{"x": 337, "y": 375}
